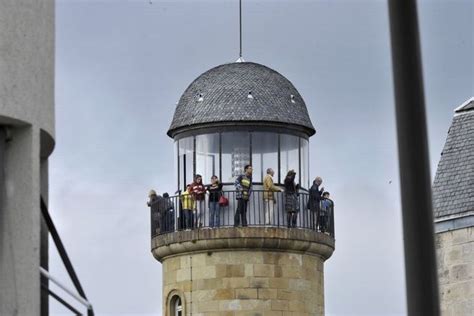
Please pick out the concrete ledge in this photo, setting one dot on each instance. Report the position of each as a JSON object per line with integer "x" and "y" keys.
{"x": 261, "y": 238}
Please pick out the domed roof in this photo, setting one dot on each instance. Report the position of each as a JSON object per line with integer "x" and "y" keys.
{"x": 241, "y": 93}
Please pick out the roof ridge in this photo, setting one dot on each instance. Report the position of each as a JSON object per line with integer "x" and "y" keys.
{"x": 465, "y": 107}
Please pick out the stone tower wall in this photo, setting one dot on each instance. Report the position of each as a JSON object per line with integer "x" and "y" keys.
{"x": 455, "y": 250}
{"x": 244, "y": 271}
{"x": 245, "y": 283}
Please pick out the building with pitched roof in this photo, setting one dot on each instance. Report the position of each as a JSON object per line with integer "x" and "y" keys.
{"x": 453, "y": 204}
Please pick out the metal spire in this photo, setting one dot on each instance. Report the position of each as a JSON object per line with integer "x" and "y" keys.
{"x": 240, "y": 60}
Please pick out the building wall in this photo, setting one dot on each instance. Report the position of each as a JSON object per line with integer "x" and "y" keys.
{"x": 455, "y": 250}
{"x": 27, "y": 62}
{"x": 27, "y": 109}
{"x": 243, "y": 282}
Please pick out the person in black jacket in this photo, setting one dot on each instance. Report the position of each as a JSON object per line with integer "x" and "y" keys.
{"x": 291, "y": 198}
{"x": 315, "y": 197}
{"x": 243, "y": 187}
{"x": 167, "y": 215}
{"x": 154, "y": 202}
{"x": 215, "y": 193}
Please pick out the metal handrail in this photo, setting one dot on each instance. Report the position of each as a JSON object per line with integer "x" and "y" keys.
{"x": 60, "y": 300}
{"x": 170, "y": 215}
{"x": 65, "y": 258}
{"x": 79, "y": 298}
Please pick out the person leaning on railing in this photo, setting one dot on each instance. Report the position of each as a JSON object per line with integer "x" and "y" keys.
{"x": 243, "y": 186}
{"x": 268, "y": 197}
{"x": 154, "y": 204}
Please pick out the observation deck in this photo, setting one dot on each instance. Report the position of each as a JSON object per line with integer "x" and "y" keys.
{"x": 174, "y": 232}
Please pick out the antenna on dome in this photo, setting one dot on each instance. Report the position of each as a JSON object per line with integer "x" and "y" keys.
{"x": 241, "y": 59}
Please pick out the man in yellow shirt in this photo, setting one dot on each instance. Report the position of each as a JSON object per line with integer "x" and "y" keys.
{"x": 268, "y": 198}
{"x": 187, "y": 203}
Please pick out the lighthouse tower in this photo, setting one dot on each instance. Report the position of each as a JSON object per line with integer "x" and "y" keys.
{"x": 230, "y": 116}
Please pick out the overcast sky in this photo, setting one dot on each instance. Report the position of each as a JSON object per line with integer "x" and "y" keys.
{"x": 121, "y": 66}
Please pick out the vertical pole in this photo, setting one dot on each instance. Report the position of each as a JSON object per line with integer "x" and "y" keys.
{"x": 2, "y": 166}
{"x": 250, "y": 150}
{"x": 194, "y": 157}
{"x": 279, "y": 159}
{"x": 185, "y": 183}
{"x": 299, "y": 161}
{"x": 418, "y": 230}
{"x": 220, "y": 158}
{"x": 240, "y": 26}
{"x": 177, "y": 159}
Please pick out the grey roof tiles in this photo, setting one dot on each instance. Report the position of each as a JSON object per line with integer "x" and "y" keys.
{"x": 453, "y": 188}
{"x": 221, "y": 94}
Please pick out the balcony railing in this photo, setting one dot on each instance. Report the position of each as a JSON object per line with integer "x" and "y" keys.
{"x": 178, "y": 213}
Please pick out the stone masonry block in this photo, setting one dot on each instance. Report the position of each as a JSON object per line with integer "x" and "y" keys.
{"x": 207, "y": 272}
{"x": 279, "y": 305}
{"x": 461, "y": 272}
{"x": 267, "y": 293}
{"x": 235, "y": 283}
{"x": 246, "y": 294}
{"x": 204, "y": 295}
{"x": 279, "y": 283}
{"x": 263, "y": 270}
{"x": 259, "y": 283}
{"x": 224, "y": 294}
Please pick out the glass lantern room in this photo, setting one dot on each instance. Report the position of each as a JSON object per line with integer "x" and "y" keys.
{"x": 225, "y": 154}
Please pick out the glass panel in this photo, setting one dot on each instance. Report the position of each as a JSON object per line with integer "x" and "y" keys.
{"x": 264, "y": 155}
{"x": 305, "y": 163}
{"x": 235, "y": 154}
{"x": 289, "y": 146}
{"x": 186, "y": 161}
{"x": 207, "y": 156}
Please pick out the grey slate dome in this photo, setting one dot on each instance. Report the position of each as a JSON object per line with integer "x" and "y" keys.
{"x": 241, "y": 93}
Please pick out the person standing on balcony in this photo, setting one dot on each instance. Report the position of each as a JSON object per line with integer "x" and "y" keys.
{"x": 326, "y": 205}
{"x": 243, "y": 186}
{"x": 291, "y": 198}
{"x": 198, "y": 192}
{"x": 187, "y": 203}
{"x": 168, "y": 213}
{"x": 154, "y": 204}
{"x": 315, "y": 197}
{"x": 268, "y": 197}
{"x": 215, "y": 193}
